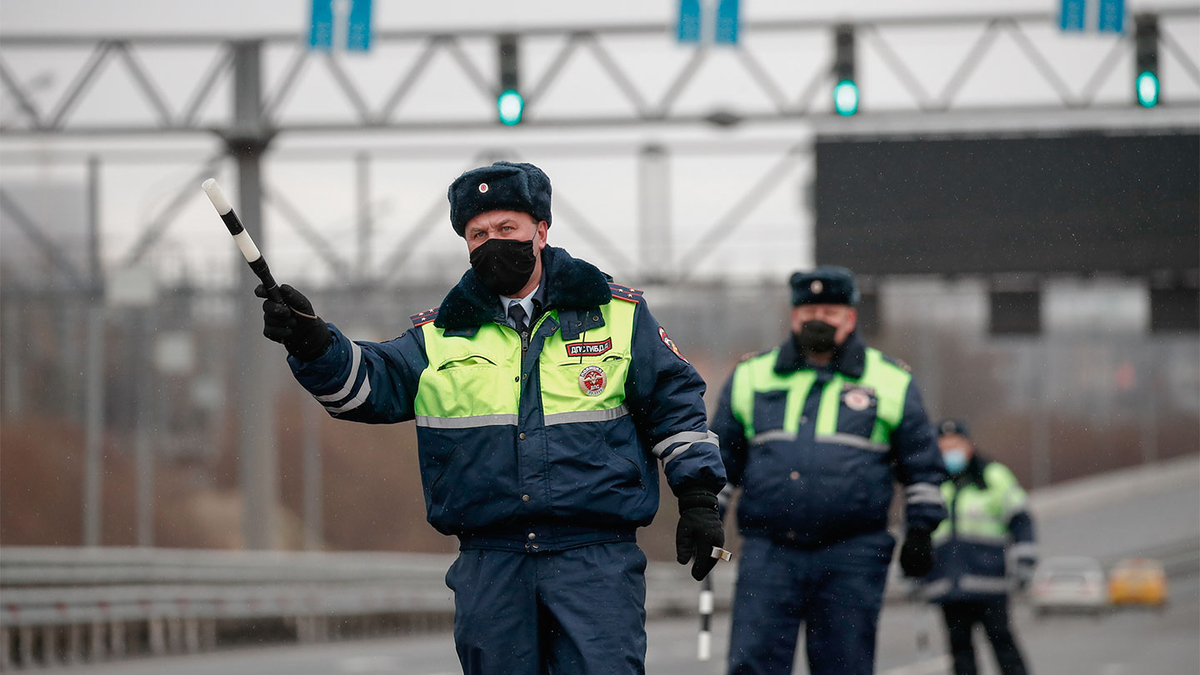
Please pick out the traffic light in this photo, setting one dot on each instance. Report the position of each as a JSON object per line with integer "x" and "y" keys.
{"x": 1146, "y": 83}
{"x": 845, "y": 91}
{"x": 510, "y": 105}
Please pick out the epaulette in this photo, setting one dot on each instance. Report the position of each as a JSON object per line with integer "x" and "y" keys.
{"x": 421, "y": 318}
{"x": 753, "y": 355}
{"x": 899, "y": 363}
{"x": 625, "y": 293}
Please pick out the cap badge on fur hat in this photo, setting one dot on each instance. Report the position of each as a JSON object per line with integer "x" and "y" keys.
{"x": 817, "y": 287}
{"x": 483, "y": 188}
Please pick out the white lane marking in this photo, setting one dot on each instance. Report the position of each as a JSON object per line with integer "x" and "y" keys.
{"x": 937, "y": 664}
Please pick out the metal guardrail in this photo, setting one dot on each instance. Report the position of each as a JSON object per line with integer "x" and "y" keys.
{"x": 92, "y": 604}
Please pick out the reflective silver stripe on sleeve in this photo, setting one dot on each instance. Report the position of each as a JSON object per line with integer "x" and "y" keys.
{"x": 853, "y": 441}
{"x": 1015, "y": 511}
{"x": 681, "y": 437}
{"x": 708, "y": 437}
{"x": 923, "y": 493}
{"x": 1025, "y": 550}
{"x": 588, "y": 416}
{"x": 466, "y": 422}
{"x": 981, "y": 539}
{"x": 971, "y": 582}
{"x": 355, "y": 362}
{"x": 775, "y": 435}
{"x": 363, "y": 392}
{"x": 936, "y": 589}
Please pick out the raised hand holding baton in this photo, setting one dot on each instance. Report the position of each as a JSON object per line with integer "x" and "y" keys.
{"x": 250, "y": 252}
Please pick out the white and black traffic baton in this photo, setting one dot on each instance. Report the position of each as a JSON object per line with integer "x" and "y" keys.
{"x": 253, "y": 256}
{"x": 704, "y": 640}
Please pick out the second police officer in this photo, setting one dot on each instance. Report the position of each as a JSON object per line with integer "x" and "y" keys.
{"x": 814, "y": 432}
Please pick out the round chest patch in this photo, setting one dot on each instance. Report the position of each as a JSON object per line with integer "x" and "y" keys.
{"x": 816, "y": 287}
{"x": 483, "y": 187}
{"x": 592, "y": 380}
{"x": 857, "y": 399}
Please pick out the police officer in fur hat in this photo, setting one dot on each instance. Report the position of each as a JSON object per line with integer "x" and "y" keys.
{"x": 544, "y": 397}
{"x": 814, "y": 432}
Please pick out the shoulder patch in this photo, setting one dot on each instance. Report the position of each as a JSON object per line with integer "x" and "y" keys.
{"x": 625, "y": 293}
{"x": 421, "y": 318}
{"x": 899, "y": 363}
{"x": 750, "y": 355}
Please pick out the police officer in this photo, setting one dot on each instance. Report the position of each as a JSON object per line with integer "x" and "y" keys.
{"x": 987, "y": 515}
{"x": 543, "y": 395}
{"x": 813, "y": 432}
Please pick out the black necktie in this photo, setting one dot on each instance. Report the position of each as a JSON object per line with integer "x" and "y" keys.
{"x": 519, "y": 318}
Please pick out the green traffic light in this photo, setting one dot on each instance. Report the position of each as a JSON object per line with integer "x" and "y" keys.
{"x": 1147, "y": 89}
{"x": 845, "y": 98}
{"x": 510, "y": 105}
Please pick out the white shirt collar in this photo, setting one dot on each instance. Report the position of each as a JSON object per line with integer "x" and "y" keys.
{"x": 525, "y": 302}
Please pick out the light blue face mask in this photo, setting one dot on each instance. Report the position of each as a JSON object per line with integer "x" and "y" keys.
{"x": 955, "y": 460}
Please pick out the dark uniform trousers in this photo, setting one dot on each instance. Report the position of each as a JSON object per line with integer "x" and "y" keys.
{"x": 961, "y": 618}
{"x": 835, "y": 590}
{"x": 574, "y": 612}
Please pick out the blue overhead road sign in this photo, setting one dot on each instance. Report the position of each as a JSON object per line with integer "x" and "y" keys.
{"x": 1072, "y": 14}
{"x": 727, "y": 22}
{"x": 358, "y": 30}
{"x": 356, "y": 25}
{"x": 1112, "y": 16}
{"x": 320, "y": 35}
{"x": 689, "y": 21}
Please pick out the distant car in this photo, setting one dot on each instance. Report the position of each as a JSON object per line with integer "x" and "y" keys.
{"x": 1138, "y": 581}
{"x": 1068, "y": 584}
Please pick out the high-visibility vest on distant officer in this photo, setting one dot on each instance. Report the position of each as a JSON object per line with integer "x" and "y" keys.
{"x": 814, "y": 432}
{"x": 989, "y": 522}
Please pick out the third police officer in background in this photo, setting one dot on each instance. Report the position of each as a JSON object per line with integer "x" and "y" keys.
{"x": 814, "y": 432}
{"x": 987, "y": 514}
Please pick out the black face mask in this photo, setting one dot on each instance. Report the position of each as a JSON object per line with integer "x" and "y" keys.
{"x": 504, "y": 265}
{"x": 816, "y": 336}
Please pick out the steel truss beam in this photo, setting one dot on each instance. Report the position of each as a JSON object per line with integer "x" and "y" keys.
{"x": 787, "y": 101}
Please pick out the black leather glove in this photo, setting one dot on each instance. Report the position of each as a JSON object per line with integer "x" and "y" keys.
{"x": 699, "y": 530}
{"x": 294, "y": 324}
{"x": 1024, "y": 572}
{"x": 916, "y": 556}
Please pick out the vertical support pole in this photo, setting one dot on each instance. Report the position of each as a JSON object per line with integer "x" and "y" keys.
{"x": 143, "y": 445}
{"x": 117, "y": 636}
{"x": 25, "y": 636}
{"x": 191, "y": 634}
{"x": 93, "y": 474}
{"x": 13, "y": 345}
{"x": 75, "y": 643}
{"x": 6, "y": 642}
{"x": 96, "y": 650}
{"x": 1041, "y": 380}
{"x": 257, "y": 359}
{"x": 362, "y": 179}
{"x": 313, "y": 498}
{"x": 49, "y": 646}
{"x": 1149, "y": 413}
{"x": 654, "y": 214}
{"x": 158, "y": 640}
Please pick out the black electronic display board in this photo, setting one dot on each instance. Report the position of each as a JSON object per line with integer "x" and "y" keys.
{"x": 1080, "y": 203}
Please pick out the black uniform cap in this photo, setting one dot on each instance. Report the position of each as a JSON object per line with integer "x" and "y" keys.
{"x": 503, "y": 186}
{"x": 826, "y": 285}
{"x": 950, "y": 426}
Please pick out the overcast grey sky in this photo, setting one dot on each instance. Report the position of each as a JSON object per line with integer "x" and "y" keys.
{"x": 775, "y": 238}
